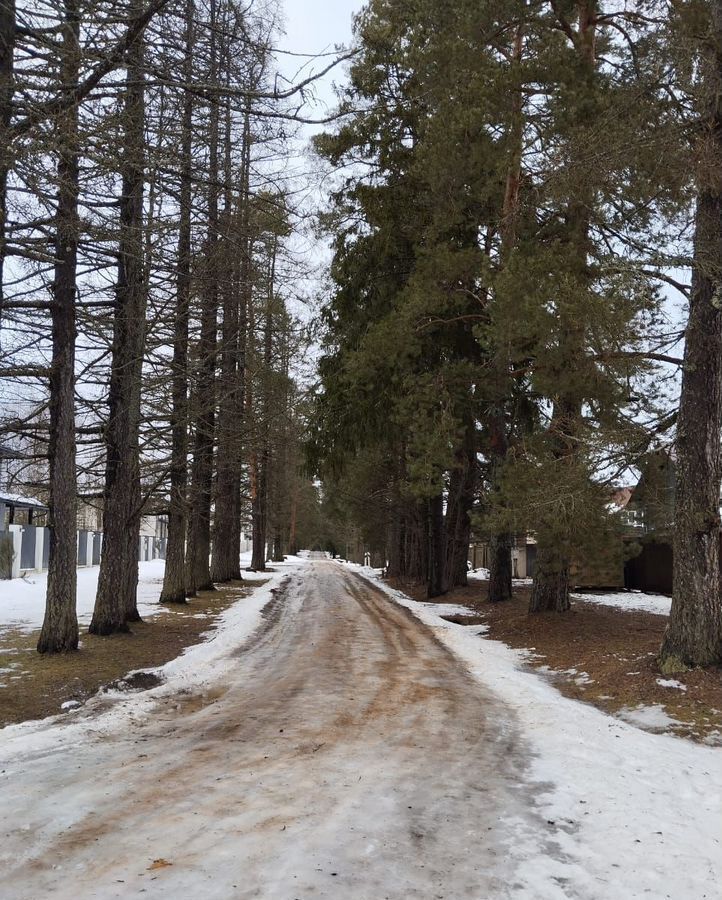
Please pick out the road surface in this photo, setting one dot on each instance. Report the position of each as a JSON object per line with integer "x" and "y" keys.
{"x": 346, "y": 754}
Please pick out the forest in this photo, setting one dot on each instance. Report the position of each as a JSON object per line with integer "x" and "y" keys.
{"x": 150, "y": 358}
{"x": 522, "y": 201}
{"x": 360, "y": 449}
{"x": 526, "y": 226}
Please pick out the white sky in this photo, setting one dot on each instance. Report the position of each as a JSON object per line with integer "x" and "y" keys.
{"x": 317, "y": 26}
{"x": 312, "y": 27}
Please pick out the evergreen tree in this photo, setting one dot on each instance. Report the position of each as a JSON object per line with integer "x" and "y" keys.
{"x": 694, "y": 633}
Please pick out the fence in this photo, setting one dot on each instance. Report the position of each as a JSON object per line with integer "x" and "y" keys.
{"x": 31, "y": 549}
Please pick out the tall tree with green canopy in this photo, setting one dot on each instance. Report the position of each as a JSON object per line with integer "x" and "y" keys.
{"x": 492, "y": 267}
{"x": 430, "y": 188}
{"x": 575, "y": 297}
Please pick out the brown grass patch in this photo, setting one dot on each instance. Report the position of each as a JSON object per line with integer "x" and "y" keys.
{"x": 612, "y": 650}
{"x": 33, "y": 685}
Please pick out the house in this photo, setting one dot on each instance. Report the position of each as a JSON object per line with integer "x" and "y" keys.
{"x": 18, "y": 510}
{"x": 523, "y": 555}
{"x": 153, "y": 537}
{"x": 650, "y": 507}
{"x": 605, "y": 570}
{"x": 647, "y": 521}
{"x": 23, "y": 532}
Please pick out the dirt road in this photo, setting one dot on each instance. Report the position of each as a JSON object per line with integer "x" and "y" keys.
{"x": 346, "y": 754}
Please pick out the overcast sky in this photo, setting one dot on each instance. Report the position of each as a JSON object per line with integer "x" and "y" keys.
{"x": 312, "y": 27}
{"x": 315, "y": 26}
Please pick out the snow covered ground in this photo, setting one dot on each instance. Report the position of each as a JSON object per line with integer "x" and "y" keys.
{"x": 198, "y": 666}
{"x": 641, "y": 812}
{"x": 631, "y": 600}
{"x": 634, "y": 601}
{"x": 22, "y": 600}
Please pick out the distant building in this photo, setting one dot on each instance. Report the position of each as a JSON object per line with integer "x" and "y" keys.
{"x": 650, "y": 507}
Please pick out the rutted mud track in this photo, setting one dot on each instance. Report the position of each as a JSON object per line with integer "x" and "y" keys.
{"x": 347, "y": 755}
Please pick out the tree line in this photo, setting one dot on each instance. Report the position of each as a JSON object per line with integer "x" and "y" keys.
{"x": 148, "y": 349}
{"x": 520, "y": 189}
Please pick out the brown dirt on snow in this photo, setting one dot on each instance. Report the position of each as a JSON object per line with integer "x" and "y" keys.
{"x": 34, "y": 685}
{"x": 612, "y": 650}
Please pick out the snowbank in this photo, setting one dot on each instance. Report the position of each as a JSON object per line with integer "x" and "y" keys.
{"x": 635, "y": 814}
{"x": 197, "y": 667}
{"x": 635, "y": 601}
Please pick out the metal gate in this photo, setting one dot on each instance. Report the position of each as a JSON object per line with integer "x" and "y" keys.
{"x": 82, "y": 548}
{"x": 27, "y": 547}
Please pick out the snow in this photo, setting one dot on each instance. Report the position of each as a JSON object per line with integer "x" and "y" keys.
{"x": 641, "y": 811}
{"x": 634, "y": 601}
{"x": 197, "y": 667}
{"x": 671, "y": 683}
{"x": 22, "y": 600}
{"x": 19, "y": 500}
{"x": 580, "y": 678}
{"x": 482, "y": 574}
{"x": 653, "y": 717}
{"x": 449, "y": 609}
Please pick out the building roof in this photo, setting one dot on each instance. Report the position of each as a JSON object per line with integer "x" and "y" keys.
{"x": 23, "y": 502}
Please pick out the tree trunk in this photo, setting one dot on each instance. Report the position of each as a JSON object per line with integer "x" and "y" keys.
{"x": 239, "y": 447}
{"x": 550, "y": 592}
{"x": 174, "y": 576}
{"x": 277, "y": 545}
{"x": 115, "y": 603}
{"x": 198, "y": 570}
{"x": 462, "y": 486}
{"x": 225, "y": 563}
{"x": 258, "y": 512}
{"x": 500, "y": 567}
{"x": 694, "y": 633}
{"x": 245, "y": 298}
{"x": 261, "y": 495}
{"x": 416, "y": 534}
{"x": 436, "y": 586}
{"x": 7, "y": 47}
{"x": 292, "y": 543}
{"x": 551, "y": 577}
{"x": 60, "y": 626}
{"x": 396, "y": 564}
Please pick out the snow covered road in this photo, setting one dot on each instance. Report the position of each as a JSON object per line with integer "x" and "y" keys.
{"x": 345, "y": 753}
{"x": 340, "y": 751}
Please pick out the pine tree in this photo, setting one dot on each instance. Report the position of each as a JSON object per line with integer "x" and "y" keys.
{"x": 694, "y": 634}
